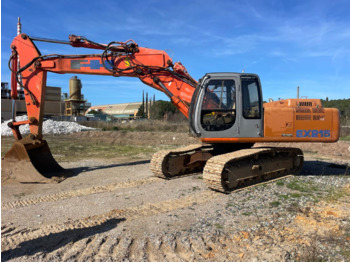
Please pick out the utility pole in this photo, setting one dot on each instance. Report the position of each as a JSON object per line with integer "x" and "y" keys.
{"x": 298, "y": 92}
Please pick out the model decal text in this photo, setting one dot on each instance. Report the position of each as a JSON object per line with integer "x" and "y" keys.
{"x": 313, "y": 133}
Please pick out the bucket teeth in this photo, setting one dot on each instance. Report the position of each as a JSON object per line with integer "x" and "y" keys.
{"x": 30, "y": 161}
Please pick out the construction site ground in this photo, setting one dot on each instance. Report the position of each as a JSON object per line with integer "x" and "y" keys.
{"x": 114, "y": 209}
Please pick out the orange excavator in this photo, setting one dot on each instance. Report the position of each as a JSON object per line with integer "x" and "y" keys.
{"x": 225, "y": 111}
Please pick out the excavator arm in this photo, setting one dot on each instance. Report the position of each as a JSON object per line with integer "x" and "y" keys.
{"x": 153, "y": 67}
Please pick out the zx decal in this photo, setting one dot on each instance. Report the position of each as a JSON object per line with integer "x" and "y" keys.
{"x": 93, "y": 64}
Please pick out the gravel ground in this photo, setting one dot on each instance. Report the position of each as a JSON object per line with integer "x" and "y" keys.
{"x": 115, "y": 210}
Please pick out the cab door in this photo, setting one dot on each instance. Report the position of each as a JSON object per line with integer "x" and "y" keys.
{"x": 214, "y": 106}
{"x": 251, "y": 109}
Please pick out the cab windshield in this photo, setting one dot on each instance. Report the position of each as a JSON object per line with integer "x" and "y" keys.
{"x": 219, "y": 105}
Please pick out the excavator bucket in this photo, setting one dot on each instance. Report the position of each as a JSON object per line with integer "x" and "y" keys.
{"x": 30, "y": 161}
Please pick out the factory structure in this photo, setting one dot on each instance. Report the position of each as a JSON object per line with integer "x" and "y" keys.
{"x": 53, "y": 104}
{"x": 115, "y": 111}
{"x": 57, "y": 105}
{"x": 124, "y": 111}
{"x": 72, "y": 106}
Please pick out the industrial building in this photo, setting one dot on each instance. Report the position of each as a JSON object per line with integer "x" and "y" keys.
{"x": 53, "y": 104}
{"x": 124, "y": 111}
{"x": 118, "y": 111}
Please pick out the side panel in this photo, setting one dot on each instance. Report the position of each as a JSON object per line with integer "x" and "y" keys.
{"x": 279, "y": 122}
{"x": 314, "y": 124}
{"x": 293, "y": 125}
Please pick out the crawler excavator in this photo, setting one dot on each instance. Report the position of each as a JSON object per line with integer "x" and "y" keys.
{"x": 225, "y": 111}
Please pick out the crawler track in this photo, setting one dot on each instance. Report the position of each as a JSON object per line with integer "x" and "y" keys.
{"x": 225, "y": 172}
{"x": 180, "y": 161}
{"x": 248, "y": 166}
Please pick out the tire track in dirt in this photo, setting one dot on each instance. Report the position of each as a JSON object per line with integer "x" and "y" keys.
{"x": 159, "y": 248}
{"x": 13, "y": 237}
{"x": 77, "y": 193}
{"x": 178, "y": 246}
{"x": 84, "y": 239}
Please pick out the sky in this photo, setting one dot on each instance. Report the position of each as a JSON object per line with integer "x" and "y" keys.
{"x": 287, "y": 43}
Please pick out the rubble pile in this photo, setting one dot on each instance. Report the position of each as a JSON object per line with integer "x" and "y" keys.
{"x": 49, "y": 127}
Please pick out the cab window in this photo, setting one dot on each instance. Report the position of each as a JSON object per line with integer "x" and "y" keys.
{"x": 219, "y": 105}
{"x": 251, "y": 98}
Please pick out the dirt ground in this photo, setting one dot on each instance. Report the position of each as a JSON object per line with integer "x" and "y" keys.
{"x": 114, "y": 209}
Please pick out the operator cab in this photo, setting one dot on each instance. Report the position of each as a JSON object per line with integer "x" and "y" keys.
{"x": 226, "y": 105}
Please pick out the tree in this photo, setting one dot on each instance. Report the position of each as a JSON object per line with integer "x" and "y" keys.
{"x": 343, "y": 106}
{"x": 161, "y": 108}
{"x": 141, "y": 111}
{"x": 94, "y": 112}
